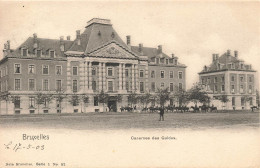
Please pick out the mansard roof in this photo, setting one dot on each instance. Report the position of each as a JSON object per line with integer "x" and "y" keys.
{"x": 226, "y": 62}
{"x": 43, "y": 44}
{"x": 95, "y": 35}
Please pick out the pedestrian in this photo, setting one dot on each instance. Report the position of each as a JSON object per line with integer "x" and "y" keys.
{"x": 161, "y": 114}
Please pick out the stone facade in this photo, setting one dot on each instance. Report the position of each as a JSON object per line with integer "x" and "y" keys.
{"x": 97, "y": 60}
{"x": 228, "y": 75}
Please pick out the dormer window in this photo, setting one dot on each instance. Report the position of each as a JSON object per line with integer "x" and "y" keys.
{"x": 52, "y": 53}
{"x": 39, "y": 53}
{"x": 157, "y": 60}
{"x": 242, "y": 66}
{"x": 176, "y": 62}
{"x": 167, "y": 61}
{"x": 24, "y": 52}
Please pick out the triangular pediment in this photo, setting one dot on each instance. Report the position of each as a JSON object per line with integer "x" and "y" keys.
{"x": 113, "y": 50}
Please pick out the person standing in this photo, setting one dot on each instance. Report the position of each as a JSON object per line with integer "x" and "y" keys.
{"x": 161, "y": 114}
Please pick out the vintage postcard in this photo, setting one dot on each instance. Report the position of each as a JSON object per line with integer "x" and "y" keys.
{"x": 129, "y": 84}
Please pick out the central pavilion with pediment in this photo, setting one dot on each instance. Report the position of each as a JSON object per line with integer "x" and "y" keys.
{"x": 97, "y": 60}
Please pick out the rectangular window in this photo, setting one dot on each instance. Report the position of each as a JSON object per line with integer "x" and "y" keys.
{"x": 95, "y": 101}
{"x": 31, "y": 102}
{"x": 110, "y": 86}
{"x": 94, "y": 85}
{"x": 74, "y": 70}
{"x": 162, "y": 74}
{"x": 223, "y": 88}
{"x": 171, "y": 74}
{"x": 45, "y": 69}
{"x": 250, "y": 79}
{"x": 58, "y": 70}
{"x": 171, "y": 87}
{"x": 0, "y": 86}
{"x": 162, "y": 85}
{"x": 39, "y": 53}
{"x": 58, "y": 85}
{"x": 45, "y": 85}
{"x": 223, "y": 78}
{"x": 141, "y": 86}
{"x": 31, "y": 84}
{"x": 52, "y": 53}
{"x": 93, "y": 71}
{"x": 241, "y": 88}
{"x": 141, "y": 73}
{"x": 126, "y": 73}
{"x": 167, "y": 61}
{"x": 241, "y": 79}
{"x": 242, "y": 101}
{"x": 251, "y": 101}
{"x": 232, "y": 88}
{"x": 75, "y": 86}
{"x": 17, "y": 102}
{"x": 180, "y": 75}
{"x": 17, "y": 84}
{"x": 152, "y": 74}
{"x": 127, "y": 85}
{"x": 153, "y": 86}
{"x": 17, "y": 68}
{"x": 215, "y": 88}
{"x": 180, "y": 86}
{"x": 215, "y": 80}
{"x": 250, "y": 89}
{"x": 24, "y": 52}
{"x": 157, "y": 60}
{"x": 31, "y": 69}
{"x": 45, "y": 103}
{"x": 110, "y": 71}
{"x": 232, "y": 78}
{"x": 233, "y": 101}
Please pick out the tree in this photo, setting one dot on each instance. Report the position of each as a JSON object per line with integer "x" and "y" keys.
{"x": 74, "y": 100}
{"x": 119, "y": 98}
{"x": 6, "y": 98}
{"x": 39, "y": 100}
{"x": 59, "y": 96}
{"x": 196, "y": 94}
{"x": 181, "y": 95}
{"x": 103, "y": 98}
{"x": 145, "y": 99}
{"x": 163, "y": 95}
{"x": 224, "y": 99}
{"x": 132, "y": 99}
{"x": 85, "y": 100}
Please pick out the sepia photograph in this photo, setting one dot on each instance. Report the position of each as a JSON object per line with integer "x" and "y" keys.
{"x": 129, "y": 84}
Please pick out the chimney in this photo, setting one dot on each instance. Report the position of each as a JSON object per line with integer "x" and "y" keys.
{"x": 236, "y": 54}
{"x": 140, "y": 49}
{"x": 35, "y": 44}
{"x": 5, "y": 50}
{"x": 172, "y": 55}
{"x": 128, "y": 40}
{"x": 213, "y": 57}
{"x": 8, "y": 45}
{"x": 68, "y": 38}
{"x": 228, "y": 52}
{"x": 217, "y": 57}
{"x": 78, "y": 36}
{"x": 62, "y": 47}
{"x": 159, "y": 49}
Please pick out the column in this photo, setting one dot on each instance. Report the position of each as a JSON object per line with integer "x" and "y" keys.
{"x": 146, "y": 77}
{"x": 90, "y": 76}
{"x": 120, "y": 77}
{"x": 133, "y": 77}
{"x": 99, "y": 76}
{"x": 68, "y": 77}
{"x": 123, "y": 73}
{"x": 104, "y": 76}
{"x": 81, "y": 76}
{"x": 86, "y": 76}
{"x": 136, "y": 79}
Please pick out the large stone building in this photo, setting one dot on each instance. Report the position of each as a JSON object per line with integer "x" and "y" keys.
{"x": 98, "y": 59}
{"x": 230, "y": 76}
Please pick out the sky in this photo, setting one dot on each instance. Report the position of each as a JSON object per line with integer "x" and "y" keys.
{"x": 193, "y": 31}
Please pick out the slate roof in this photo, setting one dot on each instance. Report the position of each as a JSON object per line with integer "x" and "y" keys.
{"x": 96, "y": 35}
{"x": 44, "y": 44}
{"x": 148, "y": 51}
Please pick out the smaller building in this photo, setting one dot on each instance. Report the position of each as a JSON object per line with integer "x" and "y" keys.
{"x": 228, "y": 75}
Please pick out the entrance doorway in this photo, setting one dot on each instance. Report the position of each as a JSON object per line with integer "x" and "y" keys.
{"x": 112, "y": 105}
